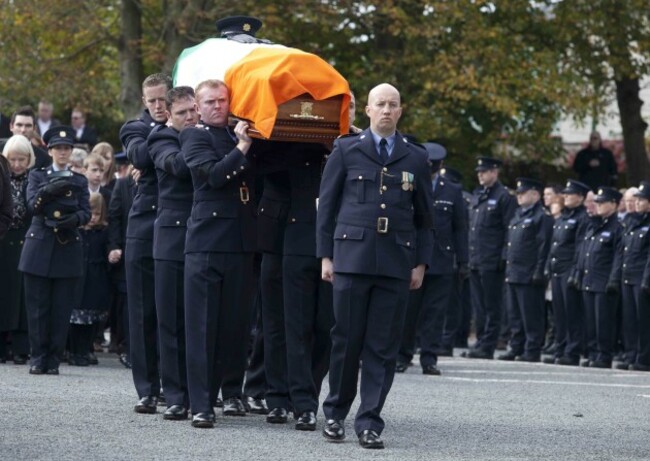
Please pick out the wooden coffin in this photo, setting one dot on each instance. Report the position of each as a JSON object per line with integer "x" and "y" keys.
{"x": 303, "y": 119}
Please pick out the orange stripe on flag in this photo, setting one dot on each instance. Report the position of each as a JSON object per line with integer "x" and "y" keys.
{"x": 268, "y": 77}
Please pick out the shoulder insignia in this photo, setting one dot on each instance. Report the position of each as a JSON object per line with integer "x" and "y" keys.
{"x": 348, "y": 135}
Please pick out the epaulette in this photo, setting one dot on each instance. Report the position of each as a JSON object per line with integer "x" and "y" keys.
{"x": 348, "y": 135}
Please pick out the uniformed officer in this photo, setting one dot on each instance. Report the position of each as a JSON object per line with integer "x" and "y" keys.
{"x": 492, "y": 209}
{"x": 175, "y": 195}
{"x": 52, "y": 256}
{"x": 221, "y": 239}
{"x": 374, "y": 238}
{"x": 529, "y": 239}
{"x": 636, "y": 245}
{"x": 568, "y": 234}
{"x": 600, "y": 278}
{"x": 139, "y": 264}
{"x": 427, "y": 306}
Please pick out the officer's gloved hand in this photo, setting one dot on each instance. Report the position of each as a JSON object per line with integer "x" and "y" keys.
{"x": 539, "y": 279}
{"x": 55, "y": 189}
{"x": 70, "y": 221}
{"x": 501, "y": 265}
{"x": 463, "y": 272}
{"x": 613, "y": 287}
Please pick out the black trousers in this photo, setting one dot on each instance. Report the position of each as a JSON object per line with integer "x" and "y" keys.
{"x": 143, "y": 321}
{"x": 170, "y": 310}
{"x": 308, "y": 319}
{"x": 255, "y": 383}
{"x": 643, "y": 315}
{"x": 526, "y": 312}
{"x": 369, "y": 316}
{"x": 568, "y": 314}
{"x": 600, "y": 316}
{"x": 275, "y": 343}
{"x": 425, "y": 318}
{"x": 217, "y": 290}
{"x": 49, "y": 303}
{"x": 487, "y": 304}
{"x": 630, "y": 324}
{"x": 81, "y": 339}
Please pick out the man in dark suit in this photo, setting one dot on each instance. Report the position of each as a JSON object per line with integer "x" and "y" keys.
{"x": 596, "y": 164}
{"x": 218, "y": 253}
{"x": 174, "y": 204}
{"x": 138, "y": 255}
{"x": 426, "y": 311}
{"x": 491, "y": 210}
{"x": 22, "y": 122}
{"x": 374, "y": 237}
{"x": 84, "y": 134}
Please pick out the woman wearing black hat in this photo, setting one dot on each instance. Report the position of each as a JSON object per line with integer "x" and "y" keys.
{"x": 52, "y": 256}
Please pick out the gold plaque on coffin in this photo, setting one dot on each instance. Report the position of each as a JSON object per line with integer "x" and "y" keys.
{"x": 303, "y": 119}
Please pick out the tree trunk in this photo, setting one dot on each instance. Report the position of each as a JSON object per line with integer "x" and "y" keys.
{"x": 629, "y": 106}
{"x": 131, "y": 69}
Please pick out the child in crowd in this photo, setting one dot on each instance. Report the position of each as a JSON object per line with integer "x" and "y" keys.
{"x": 106, "y": 152}
{"x": 77, "y": 160}
{"x": 95, "y": 288}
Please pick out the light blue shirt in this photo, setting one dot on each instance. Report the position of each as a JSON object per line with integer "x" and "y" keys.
{"x": 390, "y": 140}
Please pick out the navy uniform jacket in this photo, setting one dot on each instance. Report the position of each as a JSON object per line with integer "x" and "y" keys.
{"x": 636, "y": 244}
{"x": 272, "y": 212}
{"x": 175, "y": 194}
{"x": 601, "y": 255}
{"x": 449, "y": 227}
{"x": 118, "y": 217}
{"x": 490, "y": 213}
{"x": 47, "y": 253}
{"x": 133, "y": 135}
{"x": 359, "y": 195}
{"x": 223, "y": 214}
{"x": 568, "y": 234}
{"x": 529, "y": 239}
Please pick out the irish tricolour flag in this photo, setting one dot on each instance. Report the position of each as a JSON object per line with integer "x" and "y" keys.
{"x": 260, "y": 77}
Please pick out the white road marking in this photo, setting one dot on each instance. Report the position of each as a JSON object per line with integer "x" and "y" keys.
{"x": 644, "y": 395}
{"x": 533, "y": 381}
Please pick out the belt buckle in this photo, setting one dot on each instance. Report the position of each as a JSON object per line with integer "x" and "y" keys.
{"x": 382, "y": 225}
{"x": 244, "y": 196}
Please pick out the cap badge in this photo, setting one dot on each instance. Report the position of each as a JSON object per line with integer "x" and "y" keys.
{"x": 63, "y": 134}
{"x": 518, "y": 183}
{"x": 600, "y": 192}
{"x": 480, "y": 162}
{"x": 641, "y": 187}
{"x": 246, "y": 27}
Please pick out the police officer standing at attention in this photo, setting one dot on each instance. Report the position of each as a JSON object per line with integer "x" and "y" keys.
{"x": 374, "y": 237}
{"x": 52, "y": 256}
{"x": 139, "y": 264}
{"x": 601, "y": 277}
{"x": 529, "y": 238}
{"x": 221, "y": 239}
{"x": 490, "y": 213}
{"x": 427, "y": 305}
{"x": 568, "y": 234}
{"x": 174, "y": 204}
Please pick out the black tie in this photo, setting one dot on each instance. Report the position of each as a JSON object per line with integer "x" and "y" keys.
{"x": 383, "y": 150}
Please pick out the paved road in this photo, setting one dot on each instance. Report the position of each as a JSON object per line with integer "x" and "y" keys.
{"x": 478, "y": 410}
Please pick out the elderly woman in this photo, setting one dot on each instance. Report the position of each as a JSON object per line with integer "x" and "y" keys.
{"x": 52, "y": 256}
{"x": 13, "y": 320}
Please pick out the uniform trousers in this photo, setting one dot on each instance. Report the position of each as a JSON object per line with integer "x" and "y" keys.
{"x": 487, "y": 304}
{"x": 49, "y": 303}
{"x": 600, "y": 316}
{"x": 369, "y": 313}
{"x": 526, "y": 312}
{"x": 275, "y": 343}
{"x": 255, "y": 383}
{"x": 425, "y": 319}
{"x": 458, "y": 315}
{"x": 170, "y": 311}
{"x": 308, "y": 317}
{"x": 217, "y": 318}
{"x": 143, "y": 322}
{"x": 643, "y": 314}
{"x": 630, "y": 324}
{"x": 567, "y": 311}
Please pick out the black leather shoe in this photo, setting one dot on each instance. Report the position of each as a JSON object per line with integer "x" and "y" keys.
{"x": 549, "y": 360}
{"x": 334, "y": 431}
{"x": 622, "y": 366}
{"x": 585, "y": 363}
{"x": 75, "y": 360}
{"x": 92, "y": 359}
{"x": 401, "y": 367}
{"x": 277, "y": 415}
{"x": 203, "y": 420}
{"x": 52, "y": 371}
{"x": 162, "y": 401}
{"x": 639, "y": 367}
{"x": 233, "y": 407}
{"x": 146, "y": 405}
{"x": 175, "y": 413}
{"x": 567, "y": 361}
{"x": 528, "y": 358}
{"x": 20, "y": 359}
{"x": 306, "y": 421}
{"x": 430, "y": 370}
{"x": 256, "y": 406}
{"x": 124, "y": 360}
{"x": 508, "y": 356}
{"x": 479, "y": 354}
{"x": 370, "y": 439}
{"x": 34, "y": 370}
{"x": 218, "y": 403}
{"x": 599, "y": 364}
